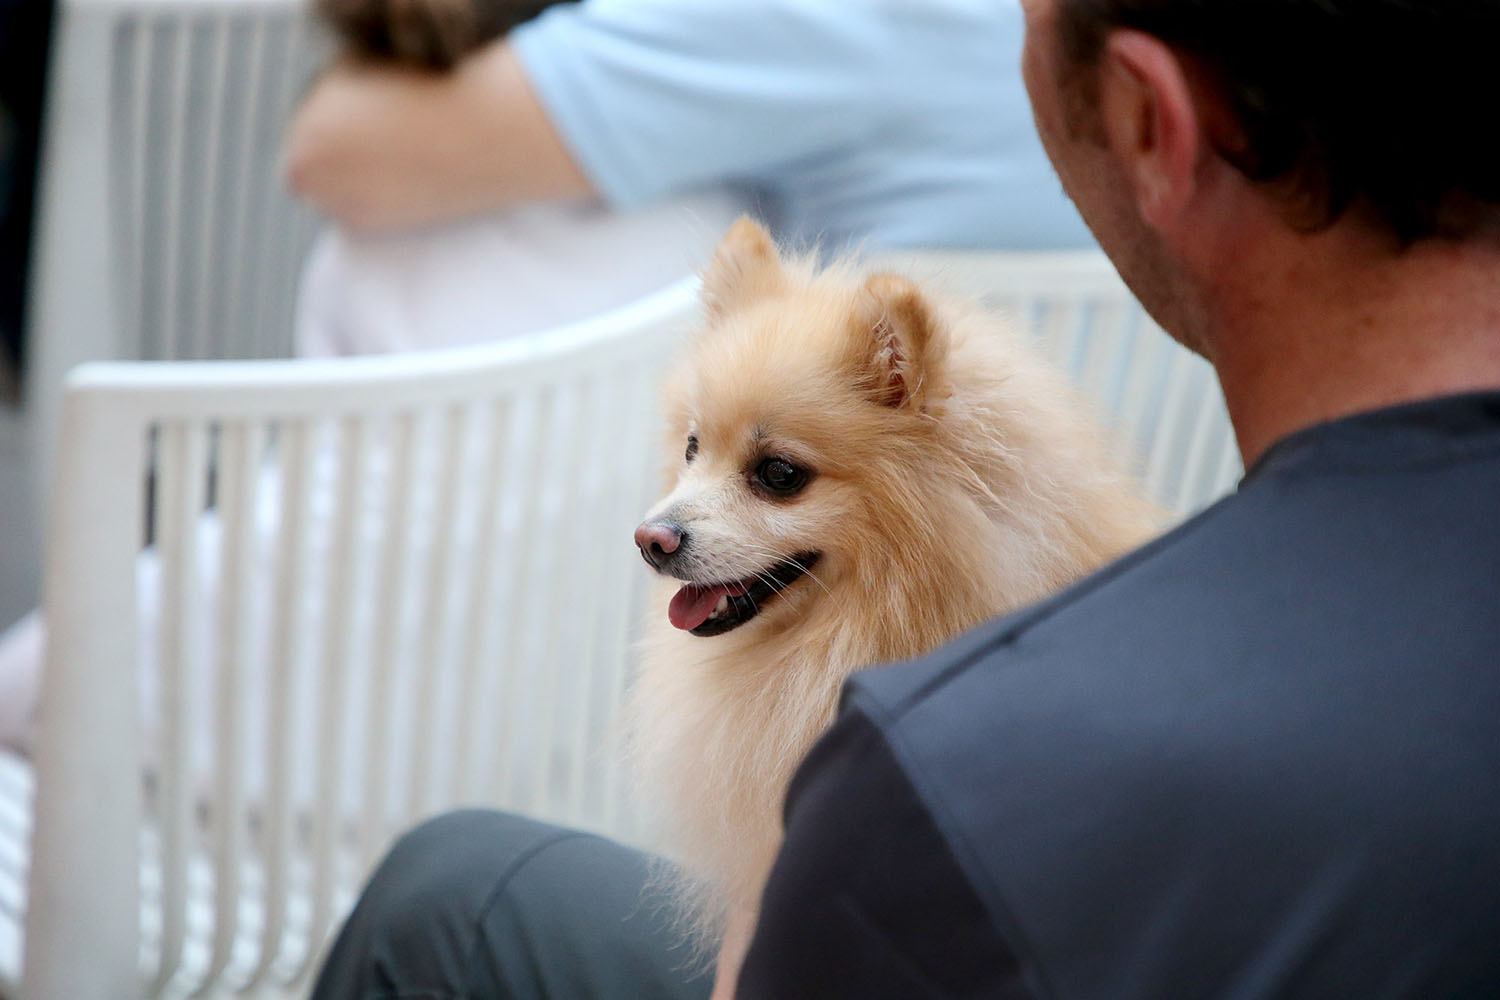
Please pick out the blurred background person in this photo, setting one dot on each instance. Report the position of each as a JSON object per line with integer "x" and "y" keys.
{"x": 489, "y": 274}
{"x": 491, "y": 174}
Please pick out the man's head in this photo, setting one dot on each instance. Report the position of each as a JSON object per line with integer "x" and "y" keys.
{"x": 1327, "y": 110}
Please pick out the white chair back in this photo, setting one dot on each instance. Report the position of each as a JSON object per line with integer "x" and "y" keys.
{"x": 163, "y": 230}
{"x": 428, "y": 555}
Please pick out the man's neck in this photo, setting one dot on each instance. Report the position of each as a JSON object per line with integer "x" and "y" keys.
{"x": 1336, "y": 324}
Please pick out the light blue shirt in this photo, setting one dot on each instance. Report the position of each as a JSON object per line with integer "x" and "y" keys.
{"x": 853, "y": 123}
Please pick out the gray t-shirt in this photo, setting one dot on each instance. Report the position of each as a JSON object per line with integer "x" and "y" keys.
{"x": 1259, "y": 757}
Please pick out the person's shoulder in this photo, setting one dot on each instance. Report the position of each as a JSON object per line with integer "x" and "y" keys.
{"x": 1075, "y": 616}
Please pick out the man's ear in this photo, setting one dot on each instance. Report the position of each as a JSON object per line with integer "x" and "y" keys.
{"x": 1151, "y": 123}
{"x": 744, "y": 269}
{"x": 895, "y": 340}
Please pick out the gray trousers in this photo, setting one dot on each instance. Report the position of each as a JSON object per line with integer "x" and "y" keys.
{"x": 480, "y": 905}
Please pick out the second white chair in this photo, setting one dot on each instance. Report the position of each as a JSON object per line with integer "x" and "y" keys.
{"x": 423, "y": 590}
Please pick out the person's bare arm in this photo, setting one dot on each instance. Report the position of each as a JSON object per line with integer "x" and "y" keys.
{"x": 379, "y": 145}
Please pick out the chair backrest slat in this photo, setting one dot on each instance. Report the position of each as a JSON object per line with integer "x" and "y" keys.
{"x": 200, "y": 332}
{"x": 83, "y": 920}
{"x": 519, "y": 603}
{"x": 270, "y": 308}
{"x": 237, "y": 319}
{"x": 1140, "y": 395}
{"x": 478, "y": 631}
{"x": 391, "y": 553}
{"x": 425, "y": 784}
{"x": 551, "y": 548}
{"x": 594, "y": 535}
{"x": 237, "y": 457}
{"x": 167, "y": 255}
{"x": 134, "y": 69}
{"x": 1200, "y": 454}
{"x": 181, "y": 469}
{"x": 1161, "y": 472}
{"x": 336, "y": 661}
{"x": 286, "y": 632}
{"x": 638, "y": 482}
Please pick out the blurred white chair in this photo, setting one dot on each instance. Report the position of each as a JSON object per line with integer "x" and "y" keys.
{"x": 458, "y": 635}
{"x": 444, "y": 616}
{"x": 162, "y": 229}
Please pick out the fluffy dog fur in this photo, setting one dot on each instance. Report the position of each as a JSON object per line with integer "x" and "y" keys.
{"x": 952, "y": 476}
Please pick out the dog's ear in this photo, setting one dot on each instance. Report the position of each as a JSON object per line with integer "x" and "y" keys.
{"x": 896, "y": 339}
{"x": 745, "y": 268}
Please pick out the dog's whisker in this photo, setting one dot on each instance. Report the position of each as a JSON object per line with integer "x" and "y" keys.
{"x": 759, "y": 552}
{"x": 831, "y": 595}
{"x": 772, "y": 582}
{"x": 810, "y": 575}
{"x": 778, "y": 587}
{"x": 797, "y": 564}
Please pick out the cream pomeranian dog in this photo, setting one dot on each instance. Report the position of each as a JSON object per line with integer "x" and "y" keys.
{"x": 860, "y": 472}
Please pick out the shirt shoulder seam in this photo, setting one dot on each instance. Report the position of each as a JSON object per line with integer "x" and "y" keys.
{"x": 1059, "y": 603}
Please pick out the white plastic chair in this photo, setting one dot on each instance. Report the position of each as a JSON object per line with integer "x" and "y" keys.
{"x": 467, "y": 649}
{"x": 163, "y": 230}
{"x": 502, "y": 483}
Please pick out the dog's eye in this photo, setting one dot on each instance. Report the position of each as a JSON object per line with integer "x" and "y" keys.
{"x": 780, "y": 476}
{"x": 692, "y": 449}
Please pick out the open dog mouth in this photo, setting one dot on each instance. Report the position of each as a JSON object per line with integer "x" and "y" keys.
{"x": 716, "y": 608}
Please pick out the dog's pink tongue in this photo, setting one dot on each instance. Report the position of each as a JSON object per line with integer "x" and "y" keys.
{"x": 692, "y": 605}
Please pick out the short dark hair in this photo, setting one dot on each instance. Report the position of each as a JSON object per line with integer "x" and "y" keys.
{"x": 1381, "y": 106}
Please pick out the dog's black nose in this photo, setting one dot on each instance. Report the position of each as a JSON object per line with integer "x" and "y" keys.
{"x": 657, "y": 540}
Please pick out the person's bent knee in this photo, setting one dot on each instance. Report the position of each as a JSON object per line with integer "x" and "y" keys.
{"x": 415, "y": 925}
